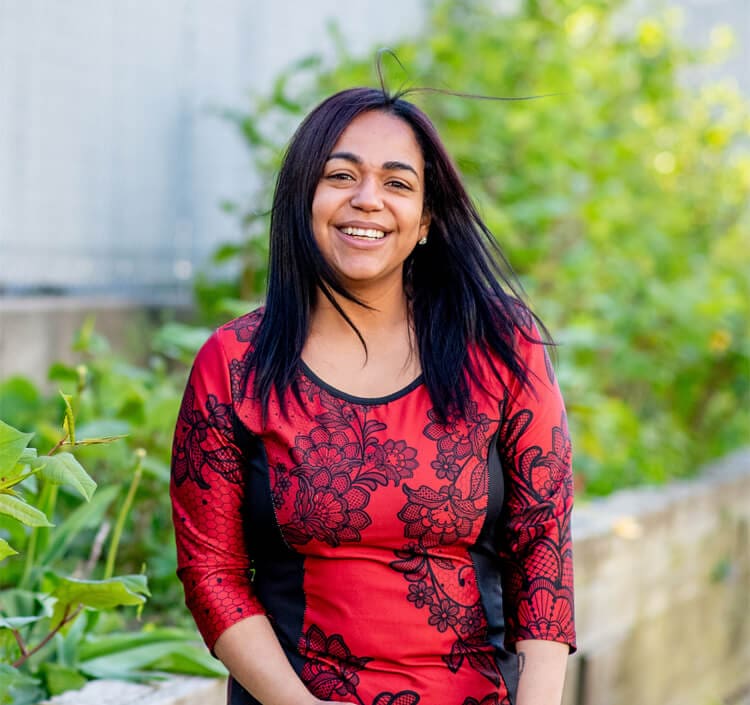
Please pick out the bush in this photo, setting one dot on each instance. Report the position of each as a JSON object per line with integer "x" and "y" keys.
{"x": 63, "y": 611}
{"x": 622, "y": 202}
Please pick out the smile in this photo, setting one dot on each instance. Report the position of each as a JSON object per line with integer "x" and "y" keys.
{"x": 366, "y": 233}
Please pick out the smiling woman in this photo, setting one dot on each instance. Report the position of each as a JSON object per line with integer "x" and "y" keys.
{"x": 368, "y": 210}
{"x": 383, "y": 447}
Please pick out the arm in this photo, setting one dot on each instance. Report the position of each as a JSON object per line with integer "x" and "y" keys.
{"x": 536, "y": 550}
{"x": 253, "y": 655}
{"x": 207, "y": 491}
{"x": 541, "y": 669}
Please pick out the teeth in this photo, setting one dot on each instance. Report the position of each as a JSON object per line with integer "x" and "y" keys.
{"x": 364, "y": 232}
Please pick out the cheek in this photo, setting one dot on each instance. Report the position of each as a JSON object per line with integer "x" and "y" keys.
{"x": 323, "y": 207}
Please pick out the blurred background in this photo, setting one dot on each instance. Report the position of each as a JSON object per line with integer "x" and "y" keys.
{"x": 138, "y": 149}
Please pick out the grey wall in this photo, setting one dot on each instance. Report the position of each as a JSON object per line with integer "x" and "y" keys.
{"x": 112, "y": 161}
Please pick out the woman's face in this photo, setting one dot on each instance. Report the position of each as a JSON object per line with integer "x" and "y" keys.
{"x": 368, "y": 209}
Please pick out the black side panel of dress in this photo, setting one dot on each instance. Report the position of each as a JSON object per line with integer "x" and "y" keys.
{"x": 484, "y": 555}
{"x": 279, "y": 571}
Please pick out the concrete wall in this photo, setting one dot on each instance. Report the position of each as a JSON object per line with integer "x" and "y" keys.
{"x": 37, "y": 331}
{"x": 663, "y": 593}
{"x": 663, "y": 601}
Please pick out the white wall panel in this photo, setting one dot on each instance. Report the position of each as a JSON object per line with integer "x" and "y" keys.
{"x": 112, "y": 160}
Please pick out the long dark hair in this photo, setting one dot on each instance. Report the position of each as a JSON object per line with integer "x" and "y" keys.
{"x": 460, "y": 287}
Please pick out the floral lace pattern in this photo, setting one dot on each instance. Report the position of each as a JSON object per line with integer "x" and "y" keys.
{"x": 335, "y": 468}
{"x": 202, "y": 447}
{"x": 324, "y": 678}
{"x": 437, "y": 518}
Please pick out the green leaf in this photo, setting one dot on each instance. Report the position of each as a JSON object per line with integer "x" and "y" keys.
{"x": 6, "y": 550}
{"x": 153, "y": 656}
{"x": 59, "y": 678}
{"x": 12, "y": 445}
{"x": 28, "y": 455}
{"x": 136, "y": 582}
{"x": 88, "y": 341}
{"x": 180, "y": 341}
{"x": 17, "y": 688}
{"x": 158, "y": 468}
{"x": 99, "y": 594}
{"x": 20, "y": 402}
{"x": 64, "y": 469}
{"x": 17, "y": 622}
{"x": 86, "y": 516}
{"x": 69, "y": 644}
{"x": 190, "y": 660}
{"x": 102, "y": 645}
{"x": 60, "y": 372}
{"x": 69, "y": 422}
{"x": 22, "y": 511}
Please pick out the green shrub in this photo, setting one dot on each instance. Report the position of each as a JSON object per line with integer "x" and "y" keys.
{"x": 621, "y": 201}
{"x": 60, "y": 617}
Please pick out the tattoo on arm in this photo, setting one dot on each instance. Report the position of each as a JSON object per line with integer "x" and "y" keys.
{"x": 521, "y": 661}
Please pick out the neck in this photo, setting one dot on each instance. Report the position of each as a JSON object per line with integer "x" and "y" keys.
{"x": 386, "y": 309}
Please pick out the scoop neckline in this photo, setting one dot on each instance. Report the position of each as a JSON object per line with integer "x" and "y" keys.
{"x": 353, "y": 399}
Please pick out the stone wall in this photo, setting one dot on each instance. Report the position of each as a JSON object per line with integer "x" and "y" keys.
{"x": 663, "y": 601}
{"x": 663, "y": 593}
{"x": 36, "y": 331}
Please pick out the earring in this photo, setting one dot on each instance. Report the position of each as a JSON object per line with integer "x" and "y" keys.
{"x": 423, "y": 241}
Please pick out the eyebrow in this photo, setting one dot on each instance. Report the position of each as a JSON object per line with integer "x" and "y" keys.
{"x": 388, "y": 166}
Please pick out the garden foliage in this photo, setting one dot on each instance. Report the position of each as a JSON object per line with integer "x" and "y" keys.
{"x": 64, "y": 614}
{"x": 622, "y": 201}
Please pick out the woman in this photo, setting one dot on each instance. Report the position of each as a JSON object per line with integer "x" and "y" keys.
{"x": 371, "y": 475}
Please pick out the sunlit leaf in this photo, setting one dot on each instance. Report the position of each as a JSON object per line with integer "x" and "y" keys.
{"x": 22, "y": 511}
{"x": 99, "y": 594}
{"x": 69, "y": 421}
{"x": 64, "y": 469}
{"x": 6, "y": 550}
{"x": 12, "y": 445}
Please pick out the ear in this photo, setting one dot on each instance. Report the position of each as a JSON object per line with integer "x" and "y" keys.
{"x": 424, "y": 223}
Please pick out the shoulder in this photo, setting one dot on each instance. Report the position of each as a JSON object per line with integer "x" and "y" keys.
{"x": 227, "y": 347}
{"x": 236, "y": 336}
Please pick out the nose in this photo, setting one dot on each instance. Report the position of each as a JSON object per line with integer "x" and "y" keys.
{"x": 367, "y": 195}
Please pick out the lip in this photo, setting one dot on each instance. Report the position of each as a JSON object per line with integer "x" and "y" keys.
{"x": 364, "y": 224}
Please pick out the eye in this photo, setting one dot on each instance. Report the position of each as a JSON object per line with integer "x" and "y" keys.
{"x": 340, "y": 176}
{"x": 399, "y": 184}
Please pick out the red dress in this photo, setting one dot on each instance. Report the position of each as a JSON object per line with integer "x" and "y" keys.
{"x": 398, "y": 558}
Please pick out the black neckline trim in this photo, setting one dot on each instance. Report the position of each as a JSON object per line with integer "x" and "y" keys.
{"x": 363, "y": 401}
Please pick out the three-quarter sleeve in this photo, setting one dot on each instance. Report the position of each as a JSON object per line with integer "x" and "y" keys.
{"x": 207, "y": 497}
{"x": 536, "y": 551}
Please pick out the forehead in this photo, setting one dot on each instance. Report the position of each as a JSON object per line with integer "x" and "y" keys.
{"x": 378, "y": 137}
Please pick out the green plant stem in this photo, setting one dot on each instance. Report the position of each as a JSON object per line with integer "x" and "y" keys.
{"x": 109, "y": 567}
{"x": 49, "y": 509}
{"x": 46, "y": 498}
